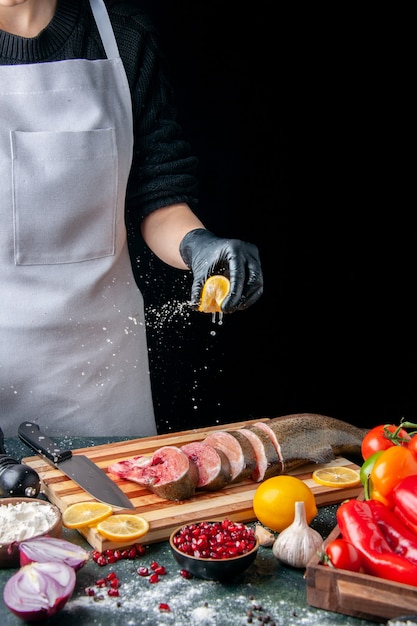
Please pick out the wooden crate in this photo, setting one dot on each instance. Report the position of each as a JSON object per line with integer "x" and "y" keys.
{"x": 357, "y": 594}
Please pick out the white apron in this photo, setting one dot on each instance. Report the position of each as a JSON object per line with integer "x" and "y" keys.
{"x": 73, "y": 352}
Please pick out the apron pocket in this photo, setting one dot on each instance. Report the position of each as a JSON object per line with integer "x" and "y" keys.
{"x": 64, "y": 196}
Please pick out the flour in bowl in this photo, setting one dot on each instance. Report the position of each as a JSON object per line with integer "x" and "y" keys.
{"x": 25, "y": 519}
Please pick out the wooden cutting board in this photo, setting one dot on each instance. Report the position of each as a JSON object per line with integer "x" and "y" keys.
{"x": 233, "y": 502}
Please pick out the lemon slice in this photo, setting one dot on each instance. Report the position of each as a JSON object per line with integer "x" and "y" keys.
{"x": 336, "y": 477}
{"x": 123, "y": 527}
{"x": 85, "y": 514}
{"x": 214, "y": 291}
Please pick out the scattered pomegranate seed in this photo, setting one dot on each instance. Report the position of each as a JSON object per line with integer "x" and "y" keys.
{"x": 101, "y": 560}
{"x": 113, "y": 592}
{"x": 164, "y": 607}
{"x": 185, "y": 574}
{"x": 112, "y": 556}
{"x": 143, "y": 571}
{"x": 154, "y": 578}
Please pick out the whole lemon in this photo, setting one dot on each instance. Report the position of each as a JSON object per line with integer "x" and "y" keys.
{"x": 274, "y": 501}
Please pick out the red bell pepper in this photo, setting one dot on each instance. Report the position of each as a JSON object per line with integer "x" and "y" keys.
{"x": 399, "y": 537}
{"x": 404, "y": 496}
{"x": 358, "y": 525}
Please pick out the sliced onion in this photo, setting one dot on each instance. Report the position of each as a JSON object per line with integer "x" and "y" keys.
{"x": 42, "y": 549}
{"x": 38, "y": 590}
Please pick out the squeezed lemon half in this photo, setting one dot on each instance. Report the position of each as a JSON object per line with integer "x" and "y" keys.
{"x": 214, "y": 291}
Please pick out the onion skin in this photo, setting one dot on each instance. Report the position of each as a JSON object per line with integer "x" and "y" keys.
{"x": 39, "y": 590}
{"x": 52, "y": 549}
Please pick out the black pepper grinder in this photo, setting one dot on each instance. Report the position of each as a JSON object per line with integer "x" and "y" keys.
{"x": 16, "y": 480}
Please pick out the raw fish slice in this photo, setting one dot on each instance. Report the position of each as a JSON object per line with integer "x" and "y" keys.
{"x": 169, "y": 473}
{"x": 267, "y": 460}
{"x": 237, "y": 449}
{"x": 213, "y": 465}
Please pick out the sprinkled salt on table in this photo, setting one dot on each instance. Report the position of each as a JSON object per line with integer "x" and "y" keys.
{"x": 24, "y": 520}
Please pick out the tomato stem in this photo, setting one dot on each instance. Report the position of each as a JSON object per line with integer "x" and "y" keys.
{"x": 395, "y": 436}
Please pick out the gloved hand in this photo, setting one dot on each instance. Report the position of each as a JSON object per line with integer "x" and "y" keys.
{"x": 205, "y": 254}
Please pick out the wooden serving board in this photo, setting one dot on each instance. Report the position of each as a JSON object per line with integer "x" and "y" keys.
{"x": 360, "y": 595}
{"x": 233, "y": 502}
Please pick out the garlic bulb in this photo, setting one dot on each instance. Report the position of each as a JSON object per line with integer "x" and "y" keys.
{"x": 298, "y": 542}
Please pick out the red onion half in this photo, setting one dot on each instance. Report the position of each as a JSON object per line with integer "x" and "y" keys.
{"x": 52, "y": 549}
{"x": 39, "y": 590}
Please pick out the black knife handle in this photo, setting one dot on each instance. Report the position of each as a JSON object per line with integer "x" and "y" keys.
{"x": 31, "y": 434}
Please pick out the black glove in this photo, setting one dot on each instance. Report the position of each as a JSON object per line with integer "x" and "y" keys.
{"x": 205, "y": 254}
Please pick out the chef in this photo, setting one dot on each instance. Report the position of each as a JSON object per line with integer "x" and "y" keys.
{"x": 88, "y": 143}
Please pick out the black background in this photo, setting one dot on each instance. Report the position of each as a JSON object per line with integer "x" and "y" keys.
{"x": 302, "y": 125}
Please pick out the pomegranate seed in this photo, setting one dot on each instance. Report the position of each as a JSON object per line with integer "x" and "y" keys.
{"x": 164, "y": 607}
{"x": 154, "y": 578}
{"x": 111, "y": 576}
{"x": 185, "y": 574}
{"x": 132, "y": 553}
{"x": 160, "y": 570}
{"x": 89, "y": 591}
{"x": 143, "y": 571}
{"x": 112, "y": 559}
{"x": 140, "y": 549}
{"x": 113, "y": 592}
{"x": 101, "y": 560}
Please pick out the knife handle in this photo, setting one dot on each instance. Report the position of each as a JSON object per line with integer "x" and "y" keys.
{"x": 31, "y": 434}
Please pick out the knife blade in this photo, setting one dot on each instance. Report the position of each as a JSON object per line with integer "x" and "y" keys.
{"x": 78, "y": 467}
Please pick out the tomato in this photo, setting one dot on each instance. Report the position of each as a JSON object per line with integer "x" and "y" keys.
{"x": 378, "y": 438}
{"x": 412, "y": 445}
{"x": 394, "y": 464}
{"x": 342, "y": 554}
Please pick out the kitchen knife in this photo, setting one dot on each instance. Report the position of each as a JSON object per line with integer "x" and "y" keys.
{"x": 77, "y": 467}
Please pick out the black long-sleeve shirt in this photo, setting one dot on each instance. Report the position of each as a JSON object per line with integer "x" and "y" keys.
{"x": 163, "y": 169}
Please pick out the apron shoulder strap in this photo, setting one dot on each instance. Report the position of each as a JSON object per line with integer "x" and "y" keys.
{"x": 105, "y": 28}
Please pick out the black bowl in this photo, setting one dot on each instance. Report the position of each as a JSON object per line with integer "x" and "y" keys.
{"x": 221, "y": 569}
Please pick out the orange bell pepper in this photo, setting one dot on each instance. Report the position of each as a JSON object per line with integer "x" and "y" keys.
{"x": 395, "y": 463}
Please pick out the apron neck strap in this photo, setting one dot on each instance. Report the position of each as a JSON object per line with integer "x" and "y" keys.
{"x": 105, "y": 28}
